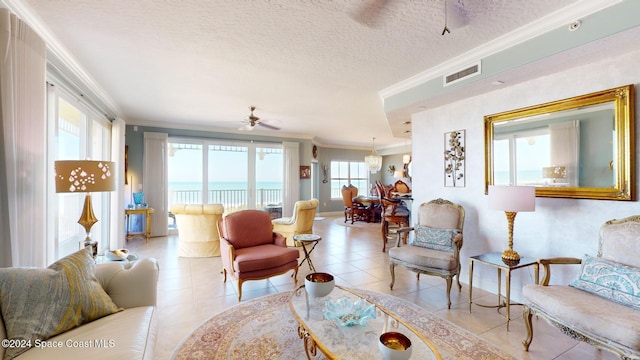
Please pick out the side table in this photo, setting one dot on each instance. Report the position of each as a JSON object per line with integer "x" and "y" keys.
{"x": 147, "y": 228}
{"x": 305, "y": 239}
{"x": 495, "y": 259}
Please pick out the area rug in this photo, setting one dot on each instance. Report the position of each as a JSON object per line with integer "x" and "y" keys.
{"x": 264, "y": 328}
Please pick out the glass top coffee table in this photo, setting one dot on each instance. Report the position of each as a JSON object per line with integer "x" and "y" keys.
{"x": 350, "y": 342}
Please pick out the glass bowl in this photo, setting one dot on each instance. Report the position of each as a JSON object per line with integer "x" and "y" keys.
{"x": 346, "y": 312}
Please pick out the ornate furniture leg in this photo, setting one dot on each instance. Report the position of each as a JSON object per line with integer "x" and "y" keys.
{"x": 526, "y": 315}
{"x": 392, "y": 269}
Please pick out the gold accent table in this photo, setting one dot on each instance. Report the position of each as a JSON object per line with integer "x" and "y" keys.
{"x": 147, "y": 227}
{"x": 350, "y": 342}
{"x": 495, "y": 259}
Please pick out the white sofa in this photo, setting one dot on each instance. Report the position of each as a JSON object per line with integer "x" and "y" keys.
{"x": 602, "y": 306}
{"x": 128, "y": 334}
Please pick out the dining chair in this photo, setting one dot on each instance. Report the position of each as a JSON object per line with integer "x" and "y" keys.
{"x": 353, "y": 210}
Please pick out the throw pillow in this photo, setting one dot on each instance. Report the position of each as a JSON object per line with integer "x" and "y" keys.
{"x": 435, "y": 239}
{"x": 611, "y": 280}
{"x": 37, "y": 304}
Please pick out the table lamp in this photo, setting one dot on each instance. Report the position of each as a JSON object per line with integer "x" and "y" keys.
{"x": 511, "y": 200}
{"x": 85, "y": 176}
{"x": 554, "y": 173}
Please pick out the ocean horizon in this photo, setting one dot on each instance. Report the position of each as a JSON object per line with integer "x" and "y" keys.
{"x": 223, "y": 185}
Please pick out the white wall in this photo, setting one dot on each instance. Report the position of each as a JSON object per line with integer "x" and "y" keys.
{"x": 558, "y": 227}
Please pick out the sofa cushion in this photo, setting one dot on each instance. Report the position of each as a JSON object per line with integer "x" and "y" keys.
{"x": 586, "y": 312}
{"x": 435, "y": 239}
{"x": 610, "y": 280}
{"x": 37, "y": 304}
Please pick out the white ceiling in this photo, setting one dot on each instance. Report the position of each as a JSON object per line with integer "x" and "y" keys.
{"x": 311, "y": 67}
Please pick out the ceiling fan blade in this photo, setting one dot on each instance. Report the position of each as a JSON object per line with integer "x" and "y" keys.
{"x": 268, "y": 126}
{"x": 246, "y": 127}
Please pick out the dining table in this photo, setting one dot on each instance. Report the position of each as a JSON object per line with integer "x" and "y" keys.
{"x": 370, "y": 202}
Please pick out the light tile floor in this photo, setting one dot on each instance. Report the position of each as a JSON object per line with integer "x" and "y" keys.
{"x": 191, "y": 290}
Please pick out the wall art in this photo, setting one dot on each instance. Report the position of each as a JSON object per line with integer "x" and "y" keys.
{"x": 454, "y": 158}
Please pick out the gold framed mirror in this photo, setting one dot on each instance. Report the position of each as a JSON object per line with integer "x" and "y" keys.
{"x": 581, "y": 147}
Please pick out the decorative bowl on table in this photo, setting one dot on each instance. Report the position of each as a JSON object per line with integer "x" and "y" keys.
{"x": 394, "y": 346}
{"x": 319, "y": 284}
{"x": 346, "y": 312}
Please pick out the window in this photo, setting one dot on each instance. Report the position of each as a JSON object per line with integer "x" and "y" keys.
{"x": 520, "y": 157}
{"x": 79, "y": 133}
{"x": 348, "y": 172}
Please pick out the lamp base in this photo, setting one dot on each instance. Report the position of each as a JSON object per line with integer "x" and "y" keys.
{"x": 510, "y": 255}
{"x": 88, "y": 242}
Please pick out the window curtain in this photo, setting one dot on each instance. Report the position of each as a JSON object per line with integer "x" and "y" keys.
{"x": 291, "y": 191}
{"x": 565, "y": 148}
{"x": 117, "y": 226}
{"x": 23, "y": 156}
{"x": 155, "y": 179}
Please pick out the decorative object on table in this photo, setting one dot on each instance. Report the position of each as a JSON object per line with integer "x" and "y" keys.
{"x": 454, "y": 158}
{"x": 511, "y": 200}
{"x": 138, "y": 199}
{"x": 319, "y": 284}
{"x": 394, "y": 346}
{"x": 346, "y": 312}
{"x": 305, "y": 172}
{"x": 85, "y": 176}
{"x": 553, "y": 173}
{"x": 120, "y": 255}
{"x": 373, "y": 161}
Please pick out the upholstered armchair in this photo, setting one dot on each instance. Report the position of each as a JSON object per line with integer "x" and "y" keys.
{"x": 198, "y": 229}
{"x": 250, "y": 250}
{"x": 435, "y": 246}
{"x": 353, "y": 210}
{"x": 304, "y": 212}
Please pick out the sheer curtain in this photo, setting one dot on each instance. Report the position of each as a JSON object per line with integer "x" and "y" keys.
{"x": 116, "y": 231}
{"x": 565, "y": 148}
{"x": 23, "y": 159}
{"x": 154, "y": 181}
{"x": 291, "y": 191}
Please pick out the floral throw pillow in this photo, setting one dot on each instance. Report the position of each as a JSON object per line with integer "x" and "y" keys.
{"x": 435, "y": 239}
{"x": 611, "y": 280}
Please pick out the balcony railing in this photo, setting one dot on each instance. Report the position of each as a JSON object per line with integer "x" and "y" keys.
{"x": 232, "y": 200}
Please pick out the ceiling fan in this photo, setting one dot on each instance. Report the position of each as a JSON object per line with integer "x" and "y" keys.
{"x": 372, "y": 13}
{"x": 251, "y": 121}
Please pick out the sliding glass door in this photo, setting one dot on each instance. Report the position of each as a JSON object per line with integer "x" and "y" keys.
{"x": 237, "y": 175}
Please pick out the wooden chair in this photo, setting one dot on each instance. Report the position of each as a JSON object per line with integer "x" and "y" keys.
{"x": 401, "y": 187}
{"x": 393, "y": 212}
{"x": 250, "y": 250}
{"x": 353, "y": 210}
{"x": 435, "y": 248}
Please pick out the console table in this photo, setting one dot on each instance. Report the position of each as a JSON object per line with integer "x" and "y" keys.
{"x": 147, "y": 228}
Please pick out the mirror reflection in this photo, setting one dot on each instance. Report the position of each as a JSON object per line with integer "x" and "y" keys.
{"x": 578, "y": 147}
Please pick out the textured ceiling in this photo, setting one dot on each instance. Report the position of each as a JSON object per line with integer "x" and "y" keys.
{"x": 311, "y": 67}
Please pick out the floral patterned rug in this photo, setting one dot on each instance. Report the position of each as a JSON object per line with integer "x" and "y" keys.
{"x": 264, "y": 328}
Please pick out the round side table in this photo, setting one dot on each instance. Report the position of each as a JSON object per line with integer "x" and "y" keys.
{"x": 305, "y": 239}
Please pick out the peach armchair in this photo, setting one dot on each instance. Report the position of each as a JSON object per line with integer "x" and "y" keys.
{"x": 198, "y": 229}
{"x": 250, "y": 250}
{"x": 304, "y": 212}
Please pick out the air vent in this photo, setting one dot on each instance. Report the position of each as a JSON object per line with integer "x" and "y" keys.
{"x": 460, "y": 75}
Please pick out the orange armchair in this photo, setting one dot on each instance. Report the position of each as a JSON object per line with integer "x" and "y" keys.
{"x": 250, "y": 250}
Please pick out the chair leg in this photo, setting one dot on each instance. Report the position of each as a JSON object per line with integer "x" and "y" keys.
{"x": 458, "y": 279}
{"x": 526, "y": 315}
{"x": 392, "y": 269}
{"x": 385, "y": 229}
{"x": 449, "y": 281}
{"x": 240, "y": 289}
{"x": 224, "y": 275}
{"x": 295, "y": 275}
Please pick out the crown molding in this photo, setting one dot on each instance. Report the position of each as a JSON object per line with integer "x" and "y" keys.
{"x": 561, "y": 17}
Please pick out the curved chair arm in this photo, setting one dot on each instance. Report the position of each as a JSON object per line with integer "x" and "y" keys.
{"x": 401, "y": 231}
{"x": 279, "y": 239}
{"x": 224, "y": 243}
{"x": 555, "y": 261}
